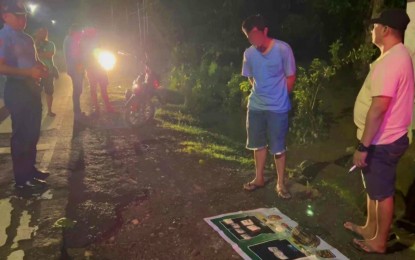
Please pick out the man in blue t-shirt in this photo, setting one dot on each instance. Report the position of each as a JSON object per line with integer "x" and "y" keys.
{"x": 270, "y": 67}
{"x": 75, "y": 67}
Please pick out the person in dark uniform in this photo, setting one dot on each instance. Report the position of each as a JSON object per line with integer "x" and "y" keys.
{"x": 19, "y": 63}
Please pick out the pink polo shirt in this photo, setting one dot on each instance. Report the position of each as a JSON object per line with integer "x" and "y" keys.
{"x": 391, "y": 75}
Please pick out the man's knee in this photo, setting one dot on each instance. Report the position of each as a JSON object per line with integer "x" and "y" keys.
{"x": 279, "y": 155}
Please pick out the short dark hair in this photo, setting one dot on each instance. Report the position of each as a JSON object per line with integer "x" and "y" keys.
{"x": 253, "y": 21}
{"x": 398, "y": 33}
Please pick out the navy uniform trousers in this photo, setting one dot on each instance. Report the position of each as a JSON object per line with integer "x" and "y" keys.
{"x": 25, "y": 107}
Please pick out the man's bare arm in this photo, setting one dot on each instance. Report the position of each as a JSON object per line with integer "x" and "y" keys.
{"x": 374, "y": 118}
{"x": 251, "y": 81}
{"x": 290, "y": 83}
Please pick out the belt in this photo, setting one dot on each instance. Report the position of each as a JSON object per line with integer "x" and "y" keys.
{"x": 27, "y": 82}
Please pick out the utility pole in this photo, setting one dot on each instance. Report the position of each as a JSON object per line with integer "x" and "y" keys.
{"x": 142, "y": 16}
{"x": 112, "y": 16}
{"x": 144, "y": 21}
{"x": 139, "y": 23}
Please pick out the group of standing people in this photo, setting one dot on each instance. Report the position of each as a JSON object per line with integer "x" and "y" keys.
{"x": 79, "y": 49}
{"x": 28, "y": 66}
{"x": 382, "y": 113}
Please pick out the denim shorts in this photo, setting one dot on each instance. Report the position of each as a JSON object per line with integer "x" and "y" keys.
{"x": 266, "y": 128}
{"x": 380, "y": 173}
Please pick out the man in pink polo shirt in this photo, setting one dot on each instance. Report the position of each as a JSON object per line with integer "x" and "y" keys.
{"x": 382, "y": 114}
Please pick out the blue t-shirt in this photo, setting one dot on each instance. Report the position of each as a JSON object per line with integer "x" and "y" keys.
{"x": 17, "y": 48}
{"x": 72, "y": 52}
{"x": 269, "y": 72}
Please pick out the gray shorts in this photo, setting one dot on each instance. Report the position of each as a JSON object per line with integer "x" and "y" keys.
{"x": 380, "y": 173}
{"x": 47, "y": 84}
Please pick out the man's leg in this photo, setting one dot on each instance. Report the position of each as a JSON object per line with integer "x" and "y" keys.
{"x": 49, "y": 89}
{"x": 368, "y": 231}
{"x": 77, "y": 82}
{"x": 384, "y": 215}
{"x": 103, "y": 84}
{"x": 277, "y": 124}
{"x": 260, "y": 157}
{"x": 281, "y": 188}
{"x": 94, "y": 96}
{"x": 18, "y": 103}
{"x": 256, "y": 133}
{"x": 20, "y": 148}
{"x": 49, "y": 101}
{"x": 280, "y": 167}
{"x": 34, "y": 122}
{"x": 105, "y": 98}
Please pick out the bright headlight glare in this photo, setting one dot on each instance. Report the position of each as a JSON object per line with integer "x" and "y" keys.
{"x": 107, "y": 60}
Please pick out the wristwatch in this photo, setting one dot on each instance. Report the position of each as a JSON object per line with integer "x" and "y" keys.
{"x": 362, "y": 148}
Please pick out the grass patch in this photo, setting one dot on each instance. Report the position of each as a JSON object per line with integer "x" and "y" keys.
{"x": 349, "y": 197}
{"x": 215, "y": 151}
{"x": 176, "y": 116}
{"x": 201, "y": 141}
{"x": 186, "y": 129}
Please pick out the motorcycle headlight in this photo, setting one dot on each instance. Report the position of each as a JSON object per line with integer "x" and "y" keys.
{"x": 107, "y": 60}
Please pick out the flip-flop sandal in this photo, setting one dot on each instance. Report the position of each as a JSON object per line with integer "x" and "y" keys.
{"x": 361, "y": 246}
{"x": 283, "y": 194}
{"x": 252, "y": 187}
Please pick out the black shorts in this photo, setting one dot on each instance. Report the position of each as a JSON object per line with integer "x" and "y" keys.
{"x": 47, "y": 84}
{"x": 380, "y": 173}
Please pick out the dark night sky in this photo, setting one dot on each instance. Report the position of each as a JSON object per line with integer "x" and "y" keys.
{"x": 62, "y": 11}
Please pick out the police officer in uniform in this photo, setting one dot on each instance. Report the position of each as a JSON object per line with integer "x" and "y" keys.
{"x": 19, "y": 63}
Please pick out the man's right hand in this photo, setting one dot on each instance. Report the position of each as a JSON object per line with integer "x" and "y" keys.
{"x": 37, "y": 72}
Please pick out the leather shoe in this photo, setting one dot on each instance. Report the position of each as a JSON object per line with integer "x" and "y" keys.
{"x": 28, "y": 185}
{"x": 41, "y": 175}
{"x": 36, "y": 181}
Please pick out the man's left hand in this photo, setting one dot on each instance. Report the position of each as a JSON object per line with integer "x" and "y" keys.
{"x": 359, "y": 159}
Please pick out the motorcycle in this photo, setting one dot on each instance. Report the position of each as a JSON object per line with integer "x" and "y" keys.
{"x": 140, "y": 105}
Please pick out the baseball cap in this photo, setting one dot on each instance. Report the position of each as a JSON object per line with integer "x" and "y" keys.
{"x": 395, "y": 18}
{"x": 14, "y": 7}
